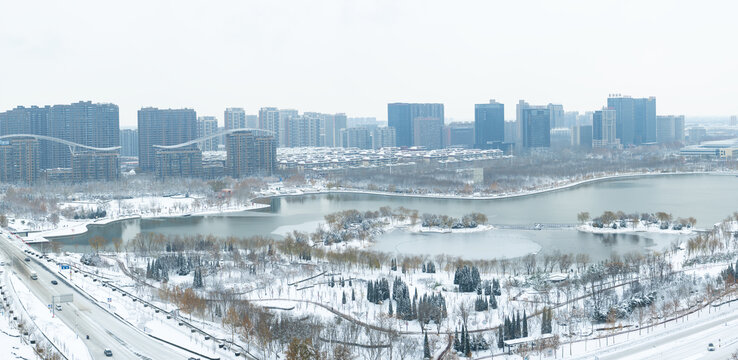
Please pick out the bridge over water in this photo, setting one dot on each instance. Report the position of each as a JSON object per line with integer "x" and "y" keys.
{"x": 537, "y": 226}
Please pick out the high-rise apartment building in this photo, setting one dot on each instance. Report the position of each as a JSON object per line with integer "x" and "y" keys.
{"x": 303, "y": 131}
{"x": 269, "y": 120}
{"x": 604, "y": 131}
{"x": 535, "y": 126}
{"x": 285, "y": 115}
{"x": 163, "y": 127}
{"x": 427, "y": 118}
{"x": 489, "y": 124}
{"x": 235, "y": 118}
{"x": 84, "y": 123}
{"x": 333, "y": 126}
{"x": 367, "y": 122}
{"x": 428, "y": 132}
{"x": 383, "y": 137}
{"x": 582, "y": 136}
{"x": 7, "y": 163}
{"x": 95, "y": 166}
{"x": 557, "y": 114}
{"x": 560, "y": 138}
{"x": 252, "y": 121}
{"x": 511, "y": 132}
{"x": 184, "y": 162}
{"x": 636, "y": 119}
{"x": 19, "y": 160}
{"x": 129, "y": 142}
{"x": 356, "y": 137}
{"x": 206, "y": 126}
{"x": 459, "y": 135}
{"x": 249, "y": 154}
{"x": 679, "y": 128}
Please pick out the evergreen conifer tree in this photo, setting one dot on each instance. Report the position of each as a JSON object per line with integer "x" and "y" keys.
{"x": 426, "y": 348}
{"x": 525, "y": 324}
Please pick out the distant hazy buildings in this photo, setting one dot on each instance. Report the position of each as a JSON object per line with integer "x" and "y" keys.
{"x": 164, "y": 127}
{"x": 129, "y": 142}
{"x": 459, "y": 135}
{"x": 383, "y": 137}
{"x": 604, "y": 130}
{"x": 489, "y": 124}
{"x": 697, "y": 134}
{"x": 670, "y": 128}
{"x": 734, "y": 120}
{"x": 582, "y": 137}
{"x": 560, "y": 138}
{"x": 356, "y": 137}
{"x": 417, "y": 124}
{"x": 206, "y": 126}
{"x": 557, "y": 116}
{"x": 285, "y": 117}
{"x": 368, "y": 122}
{"x": 334, "y": 124}
{"x": 511, "y": 131}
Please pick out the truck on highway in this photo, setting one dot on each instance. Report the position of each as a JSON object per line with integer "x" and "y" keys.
{"x": 34, "y": 276}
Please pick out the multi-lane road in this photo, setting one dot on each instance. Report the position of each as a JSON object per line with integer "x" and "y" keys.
{"x": 84, "y": 316}
{"x": 688, "y": 343}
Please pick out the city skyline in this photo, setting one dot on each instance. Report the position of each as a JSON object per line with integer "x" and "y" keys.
{"x": 622, "y": 51}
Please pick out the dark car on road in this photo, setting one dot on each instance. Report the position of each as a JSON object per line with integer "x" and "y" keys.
{"x": 54, "y": 282}
{"x": 28, "y": 259}
{"x": 108, "y": 352}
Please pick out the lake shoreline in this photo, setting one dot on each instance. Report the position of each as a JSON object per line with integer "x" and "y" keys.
{"x": 496, "y": 197}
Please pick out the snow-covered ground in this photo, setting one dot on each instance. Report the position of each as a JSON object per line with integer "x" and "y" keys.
{"x": 62, "y": 336}
{"x": 631, "y": 228}
{"x": 116, "y": 210}
{"x": 139, "y": 315}
{"x": 12, "y": 344}
{"x": 280, "y": 189}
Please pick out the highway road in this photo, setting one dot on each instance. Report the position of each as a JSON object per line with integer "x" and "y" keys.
{"x": 87, "y": 318}
{"x": 688, "y": 343}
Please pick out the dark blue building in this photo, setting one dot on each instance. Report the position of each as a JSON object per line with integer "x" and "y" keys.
{"x": 401, "y": 116}
{"x": 636, "y": 119}
{"x": 536, "y": 127}
{"x": 489, "y": 124}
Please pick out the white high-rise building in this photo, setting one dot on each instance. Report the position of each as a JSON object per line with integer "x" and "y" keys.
{"x": 269, "y": 120}
{"x": 284, "y": 125}
{"x": 234, "y": 118}
{"x": 207, "y": 125}
{"x": 604, "y": 128}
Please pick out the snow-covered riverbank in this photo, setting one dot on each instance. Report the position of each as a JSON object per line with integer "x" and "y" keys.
{"x": 649, "y": 228}
{"x": 558, "y": 185}
{"x": 145, "y": 207}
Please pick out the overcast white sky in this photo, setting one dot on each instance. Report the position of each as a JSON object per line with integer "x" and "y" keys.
{"x": 356, "y": 56}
